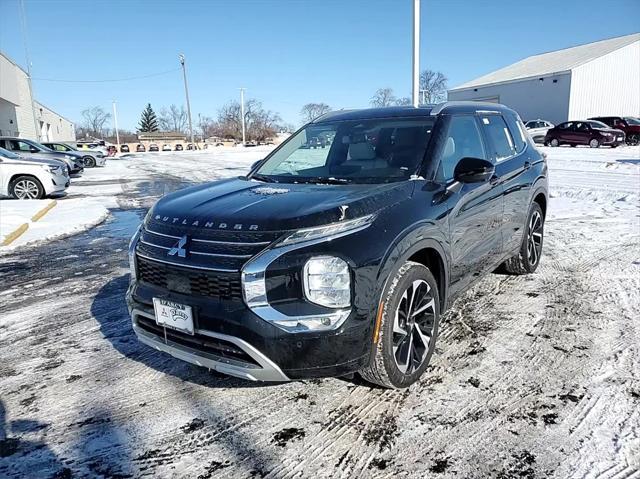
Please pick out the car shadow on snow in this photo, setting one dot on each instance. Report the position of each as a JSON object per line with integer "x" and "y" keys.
{"x": 631, "y": 161}
{"x": 109, "y": 308}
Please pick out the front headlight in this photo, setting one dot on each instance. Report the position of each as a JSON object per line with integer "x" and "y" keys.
{"x": 327, "y": 282}
{"x": 52, "y": 169}
{"x": 331, "y": 230}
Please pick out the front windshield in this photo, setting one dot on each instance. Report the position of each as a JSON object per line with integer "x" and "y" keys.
{"x": 597, "y": 124}
{"x": 355, "y": 151}
{"x": 631, "y": 120}
{"x": 7, "y": 154}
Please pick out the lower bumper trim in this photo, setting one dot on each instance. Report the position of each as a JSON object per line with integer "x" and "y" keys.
{"x": 266, "y": 371}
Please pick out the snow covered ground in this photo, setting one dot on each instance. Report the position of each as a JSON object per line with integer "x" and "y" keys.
{"x": 534, "y": 376}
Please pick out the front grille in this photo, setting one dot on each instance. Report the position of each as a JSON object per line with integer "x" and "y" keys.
{"x": 218, "y": 348}
{"x": 188, "y": 281}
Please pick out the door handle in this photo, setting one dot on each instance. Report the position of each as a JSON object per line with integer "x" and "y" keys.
{"x": 494, "y": 180}
{"x": 527, "y": 165}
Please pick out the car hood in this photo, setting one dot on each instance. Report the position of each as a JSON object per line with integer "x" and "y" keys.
{"x": 240, "y": 204}
{"x": 609, "y": 130}
{"x": 30, "y": 161}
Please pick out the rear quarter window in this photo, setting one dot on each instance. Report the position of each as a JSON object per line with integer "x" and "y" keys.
{"x": 502, "y": 141}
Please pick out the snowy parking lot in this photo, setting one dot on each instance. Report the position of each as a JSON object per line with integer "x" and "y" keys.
{"x": 534, "y": 376}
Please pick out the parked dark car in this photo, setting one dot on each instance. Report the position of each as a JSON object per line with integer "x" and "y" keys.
{"x": 589, "y": 132}
{"x": 140, "y": 148}
{"x": 124, "y": 148}
{"x": 628, "y": 124}
{"x": 32, "y": 149}
{"x": 153, "y": 147}
{"x": 316, "y": 266}
{"x": 191, "y": 146}
{"x": 179, "y": 147}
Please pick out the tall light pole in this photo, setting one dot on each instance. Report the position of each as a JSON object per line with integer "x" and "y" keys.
{"x": 115, "y": 122}
{"x": 23, "y": 20}
{"x": 416, "y": 53}
{"x": 186, "y": 92}
{"x": 244, "y": 142}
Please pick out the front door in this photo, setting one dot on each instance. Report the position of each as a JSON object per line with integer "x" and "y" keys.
{"x": 475, "y": 210}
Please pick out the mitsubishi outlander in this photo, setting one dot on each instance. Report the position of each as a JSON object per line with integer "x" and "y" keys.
{"x": 329, "y": 261}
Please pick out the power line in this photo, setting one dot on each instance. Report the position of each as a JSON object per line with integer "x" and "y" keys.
{"x": 108, "y": 80}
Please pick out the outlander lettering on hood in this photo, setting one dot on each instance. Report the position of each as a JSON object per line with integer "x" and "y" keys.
{"x": 338, "y": 252}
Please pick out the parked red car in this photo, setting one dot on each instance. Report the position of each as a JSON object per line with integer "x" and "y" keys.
{"x": 628, "y": 124}
{"x": 590, "y": 132}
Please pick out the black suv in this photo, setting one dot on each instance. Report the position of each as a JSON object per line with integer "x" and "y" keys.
{"x": 329, "y": 261}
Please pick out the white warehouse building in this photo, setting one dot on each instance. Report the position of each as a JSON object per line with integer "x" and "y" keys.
{"x": 596, "y": 79}
{"x": 21, "y": 115}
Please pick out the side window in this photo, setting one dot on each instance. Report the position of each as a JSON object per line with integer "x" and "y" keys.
{"x": 517, "y": 132}
{"x": 501, "y": 139}
{"x": 463, "y": 140}
{"x": 582, "y": 127}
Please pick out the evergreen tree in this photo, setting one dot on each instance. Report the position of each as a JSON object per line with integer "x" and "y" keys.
{"x": 148, "y": 120}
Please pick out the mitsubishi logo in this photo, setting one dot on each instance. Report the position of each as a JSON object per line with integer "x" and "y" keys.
{"x": 179, "y": 248}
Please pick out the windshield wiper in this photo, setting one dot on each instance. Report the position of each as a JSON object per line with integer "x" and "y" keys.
{"x": 263, "y": 178}
{"x": 328, "y": 180}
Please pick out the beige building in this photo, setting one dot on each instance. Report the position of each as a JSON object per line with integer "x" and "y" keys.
{"x": 17, "y": 109}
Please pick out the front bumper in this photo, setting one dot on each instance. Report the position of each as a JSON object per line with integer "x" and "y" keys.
{"x": 101, "y": 161}
{"x": 617, "y": 140}
{"x": 273, "y": 355}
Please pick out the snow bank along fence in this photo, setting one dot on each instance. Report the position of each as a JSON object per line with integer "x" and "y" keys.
{"x": 20, "y": 230}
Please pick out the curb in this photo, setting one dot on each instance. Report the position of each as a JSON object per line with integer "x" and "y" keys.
{"x": 14, "y": 235}
{"x": 43, "y": 211}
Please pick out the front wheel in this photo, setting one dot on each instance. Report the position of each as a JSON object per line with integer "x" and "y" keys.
{"x": 554, "y": 142}
{"x": 594, "y": 143}
{"x": 528, "y": 258}
{"x": 89, "y": 161}
{"x": 26, "y": 188}
{"x": 407, "y": 329}
{"x": 633, "y": 140}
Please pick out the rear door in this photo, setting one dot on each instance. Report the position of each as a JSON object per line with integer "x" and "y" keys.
{"x": 475, "y": 210}
{"x": 510, "y": 149}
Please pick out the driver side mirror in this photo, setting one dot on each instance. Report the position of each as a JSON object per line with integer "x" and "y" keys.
{"x": 473, "y": 170}
{"x": 33, "y": 149}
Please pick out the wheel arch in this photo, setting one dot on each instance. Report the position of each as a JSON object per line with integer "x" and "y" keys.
{"x": 430, "y": 252}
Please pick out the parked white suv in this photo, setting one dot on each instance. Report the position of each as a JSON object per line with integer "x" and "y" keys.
{"x": 538, "y": 129}
{"x": 30, "y": 179}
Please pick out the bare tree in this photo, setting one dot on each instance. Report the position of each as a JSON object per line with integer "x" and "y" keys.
{"x": 173, "y": 119}
{"x": 260, "y": 123}
{"x": 311, "y": 111}
{"x": 433, "y": 87}
{"x": 383, "y": 97}
{"x": 205, "y": 126}
{"x": 404, "y": 101}
{"x": 94, "y": 120}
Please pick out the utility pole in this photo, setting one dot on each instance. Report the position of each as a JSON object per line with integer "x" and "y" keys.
{"x": 244, "y": 142}
{"x": 115, "y": 122}
{"x": 186, "y": 92}
{"x": 23, "y": 20}
{"x": 416, "y": 53}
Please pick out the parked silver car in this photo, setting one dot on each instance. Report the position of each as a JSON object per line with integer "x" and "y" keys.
{"x": 90, "y": 158}
{"x": 32, "y": 149}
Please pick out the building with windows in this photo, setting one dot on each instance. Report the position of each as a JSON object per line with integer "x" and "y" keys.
{"x": 21, "y": 115}
{"x": 596, "y": 79}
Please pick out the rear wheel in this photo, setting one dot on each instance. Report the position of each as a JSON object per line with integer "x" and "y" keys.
{"x": 594, "y": 143}
{"x": 528, "y": 258}
{"x": 408, "y": 328}
{"x": 554, "y": 142}
{"x": 26, "y": 188}
{"x": 633, "y": 140}
{"x": 89, "y": 161}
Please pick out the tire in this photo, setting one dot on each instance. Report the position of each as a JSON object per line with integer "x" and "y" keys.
{"x": 633, "y": 140}
{"x": 89, "y": 162}
{"x": 528, "y": 258}
{"x": 594, "y": 143}
{"x": 26, "y": 188}
{"x": 390, "y": 367}
{"x": 554, "y": 142}
{"x": 573, "y": 145}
